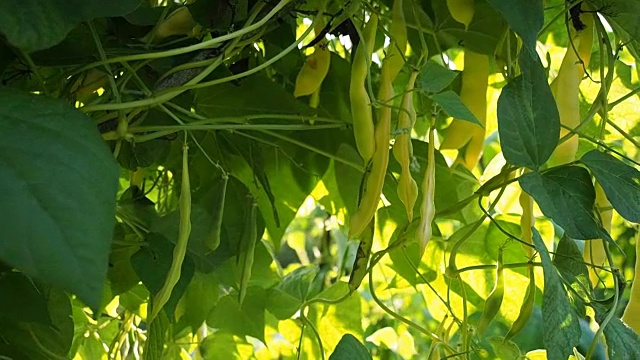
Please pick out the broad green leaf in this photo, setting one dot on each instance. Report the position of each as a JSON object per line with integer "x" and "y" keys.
{"x": 284, "y": 299}
{"x": 223, "y": 345}
{"x": 152, "y": 264}
{"x": 434, "y": 77}
{"x": 36, "y": 24}
{"x": 199, "y": 298}
{"x": 524, "y": 16}
{"x": 349, "y": 348}
{"x": 623, "y": 343}
{"x": 528, "y": 120}
{"x": 26, "y": 339}
{"x": 620, "y": 182}
{"x": 568, "y": 260}
{"x": 566, "y": 195}
{"x": 451, "y": 103}
{"x": 59, "y": 184}
{"x": 560, "y": 322}
{"x": 229, "y": 316}
{"x": 22, "y": 300}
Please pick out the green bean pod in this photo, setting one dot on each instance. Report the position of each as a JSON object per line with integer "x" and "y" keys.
{"x": 250, "y": 237}
{"x": 180, "y": 250}
{"x": 212, "y": 241}
{"x": 361, "y": 112}
{"x": 527, "y": 306}
{"x": 494, "y": 300}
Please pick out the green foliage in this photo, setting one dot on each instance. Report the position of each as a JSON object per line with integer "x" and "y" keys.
{"x": 96, "y": 109}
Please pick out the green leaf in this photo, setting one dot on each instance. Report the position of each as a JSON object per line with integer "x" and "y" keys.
{"x": 560, "y": 322}
{"x": 254, "y": 94}
{"x": 38, "y": 24}
{"x": 287, "y": 296}
{"x": 22, "y": 300}
{"x": 524, "y": 16}
{"x": 222, "y": 345}
{"x": 349, "y": 348}
{"x": 620, "y": 182}
{"x": 570, "y": 264}
{"x": 434, "y": 77}
{"x": 623, "y": 343}
{"x": 24, "y": 339}
{"x": 567, "y": 196}
{"x": 59, "y": 184}
{"x": 199, "y": 298}
{"x": 528, "y": 119}
{"x": 229, "y": 316}
{"x": 451, "y": 103}
{"x": 152, "y": 264}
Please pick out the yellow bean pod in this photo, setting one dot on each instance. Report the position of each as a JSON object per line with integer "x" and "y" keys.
{"x": 527, "y": 306}
{"x": 398, "y": 44}
{"x": 428, "y": 207}
{"x": 461, "y": 133}
{"x": 361, "y": 113}
{"x": 375, "y": 179}
{"x": 566, "y": 87}
{"x": 403, "y": 150}
{"x": 461, "y": 11}
{"x": 594, "y": 249}
{"x": 315, "y": 69}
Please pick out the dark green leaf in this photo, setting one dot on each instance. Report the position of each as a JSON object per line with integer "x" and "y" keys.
{"x": 620, "y": 182}
{"x": 22, "y": 300}
{"x": 528, "y": 120}
{"x": 567, "y": 196}
{"x": 524, "y": 16}
{"x": 560, "y": 322}
{"x": 255, "y": 94}
{"x": 623, "y": 343}
{"x": 152, "y": 264}
{"x": 451, "y": 103}
{"x": 434, "y": 77}
{"x": 38, "y": 24}
{"x": 229, "y": 316}
{"x": 38, "y": 341}
{"x": 570, "y": 264}
{"x": 349, "y": 348}
{"x": 59, "y": 183}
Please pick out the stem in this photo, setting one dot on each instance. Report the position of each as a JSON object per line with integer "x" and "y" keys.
{"x": 354, "y": 165}
{"x": 200, "y": 46}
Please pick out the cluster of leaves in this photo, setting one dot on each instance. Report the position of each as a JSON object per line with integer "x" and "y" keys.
{"x": 95, "y": 93}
